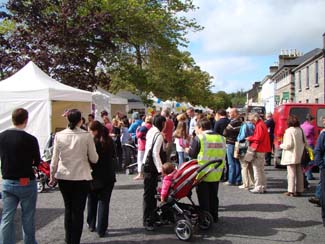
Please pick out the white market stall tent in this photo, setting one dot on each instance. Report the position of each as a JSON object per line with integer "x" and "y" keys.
{"x": 44, "y": 98}
{"x": 103, "y": 100}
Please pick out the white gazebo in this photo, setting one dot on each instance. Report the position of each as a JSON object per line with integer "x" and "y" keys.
{"x": 45, "y": 99}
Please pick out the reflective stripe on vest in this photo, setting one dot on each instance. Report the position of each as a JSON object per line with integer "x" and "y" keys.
{"x": 212, "y": 147}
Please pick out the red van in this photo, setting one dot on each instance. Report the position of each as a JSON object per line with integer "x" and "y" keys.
{"x": 281, "y": 114}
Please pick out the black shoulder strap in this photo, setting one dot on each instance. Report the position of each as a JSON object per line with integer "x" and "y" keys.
{"x": 303, "y": 138}
{"x": 154, "y": 139}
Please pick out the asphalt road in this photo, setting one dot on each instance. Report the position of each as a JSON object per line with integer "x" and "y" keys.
{"x": 244, "y": 217}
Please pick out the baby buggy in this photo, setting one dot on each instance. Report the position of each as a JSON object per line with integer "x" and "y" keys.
{"x": 186, "y": 216}
{"x": 130, "y": 152}
{"x": 42, "y": 171}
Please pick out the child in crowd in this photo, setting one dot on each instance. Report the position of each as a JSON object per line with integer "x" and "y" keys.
{"x": 168, "y": 172}
{"x": 181, "y": 141}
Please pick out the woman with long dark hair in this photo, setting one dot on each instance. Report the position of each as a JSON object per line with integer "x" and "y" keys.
{"x": 103, "y": 179}
{"x": 74, "y": 150}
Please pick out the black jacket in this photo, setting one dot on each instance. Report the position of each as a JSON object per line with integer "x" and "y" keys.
{"x": 220, "y": 125}
{"x": 104, "y": 171}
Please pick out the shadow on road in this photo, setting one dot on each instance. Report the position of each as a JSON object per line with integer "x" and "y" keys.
{"x": 43, "y": 217}
{"x": 257, "y": 227}
{"x": 129, "y": 187}
{"x": 161, "y": 241}
{"x": 259, "y": 207}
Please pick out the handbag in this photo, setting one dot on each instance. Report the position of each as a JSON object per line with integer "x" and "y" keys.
{"x": 250, "y": 155}
{"x": 149, "y": 165}
{"x": 305, "y": 157}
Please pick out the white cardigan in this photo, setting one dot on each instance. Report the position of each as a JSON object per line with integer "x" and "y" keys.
{"x": 73, "y": 152}
{"x": 292, "y": 146}
{"x": 156, "y": 149}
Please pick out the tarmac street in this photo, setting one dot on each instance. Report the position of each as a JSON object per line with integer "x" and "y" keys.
{"x": 270, "y": 218}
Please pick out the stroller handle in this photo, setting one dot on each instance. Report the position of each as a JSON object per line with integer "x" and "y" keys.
{"x": 218, "y": 161}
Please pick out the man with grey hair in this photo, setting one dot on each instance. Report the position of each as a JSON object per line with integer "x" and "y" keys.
{"x": 260, "y": 144}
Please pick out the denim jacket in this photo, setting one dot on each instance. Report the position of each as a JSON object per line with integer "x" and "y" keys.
{"x": 247, "y": 129}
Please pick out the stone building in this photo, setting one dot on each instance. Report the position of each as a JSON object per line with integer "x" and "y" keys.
{"x": 254, "y": 93}
{"x": 310, "y": 77}
{"x": 283, "y": 78}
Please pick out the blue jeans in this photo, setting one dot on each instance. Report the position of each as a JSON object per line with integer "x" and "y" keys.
{"x": 318, "y": 192}
{"x": 12, "y": 194}
{"x": 234, "y": 171}
{"x": 180, "y": 158}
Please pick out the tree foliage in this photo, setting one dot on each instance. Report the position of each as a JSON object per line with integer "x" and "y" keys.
{"x": 117, "y": 44}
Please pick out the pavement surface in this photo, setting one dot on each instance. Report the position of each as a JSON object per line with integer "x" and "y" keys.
{"x": 270, "y": 218}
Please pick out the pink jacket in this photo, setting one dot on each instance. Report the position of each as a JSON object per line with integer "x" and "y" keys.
{"x": 166, "y": 182}
{"x": 141, "y": 133}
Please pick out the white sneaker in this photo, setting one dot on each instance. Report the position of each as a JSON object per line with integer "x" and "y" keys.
{"x": 243, "y": 187}
{"x": 256, "y": 191}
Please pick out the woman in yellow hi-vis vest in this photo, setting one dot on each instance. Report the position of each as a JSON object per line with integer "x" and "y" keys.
{"x": 207, "y": 146}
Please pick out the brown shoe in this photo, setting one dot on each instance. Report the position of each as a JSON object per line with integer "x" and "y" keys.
{"x": 297, "y": 194}
{"x": 289, "y": 194}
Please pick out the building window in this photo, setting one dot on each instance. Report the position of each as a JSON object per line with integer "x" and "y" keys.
{"x": 307, "y": 77}
{"x": 316, "y": 73}
{"x": 299, "y": 80}
{"x": 316, "y": 100}
{"x": 307, "y": 100}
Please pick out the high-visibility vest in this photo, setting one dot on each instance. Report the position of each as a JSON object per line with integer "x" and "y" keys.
{"x": 212, "y": 147}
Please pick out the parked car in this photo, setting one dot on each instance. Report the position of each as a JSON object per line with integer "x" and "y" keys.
{"x": 281, "y": 114}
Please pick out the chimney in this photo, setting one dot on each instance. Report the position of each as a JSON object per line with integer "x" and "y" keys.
{"x": 286, "y": 56}
{"x": 273, "y": 69}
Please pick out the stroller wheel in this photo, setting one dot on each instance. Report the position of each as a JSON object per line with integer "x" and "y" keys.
{"x": 183, "y": 229}
{"x": 40, "y": 186}
{"x": 205, "y": 220}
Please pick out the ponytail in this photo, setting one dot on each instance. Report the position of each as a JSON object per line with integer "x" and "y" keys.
{"x": 74, "y": 117}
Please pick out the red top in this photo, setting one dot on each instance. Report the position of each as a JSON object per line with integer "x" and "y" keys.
{"x": 260, "y": 140}
{"x": 168, "y": 131}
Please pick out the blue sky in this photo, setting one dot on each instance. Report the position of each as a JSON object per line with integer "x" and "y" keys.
{"x": 242, "y": 38}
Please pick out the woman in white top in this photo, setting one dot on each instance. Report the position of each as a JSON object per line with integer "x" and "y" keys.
{"x": 154, "y": 140}
{"x": 74, "y": 150}
{"x": 293, "y": 146}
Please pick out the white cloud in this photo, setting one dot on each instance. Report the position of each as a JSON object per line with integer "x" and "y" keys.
{"x": 255, "y": 27}
{"x": 221, "y": 68}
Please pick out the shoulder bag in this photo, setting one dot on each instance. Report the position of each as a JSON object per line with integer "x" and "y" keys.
{"x": 305, "y": 158}
{"x": 149, "y": 165}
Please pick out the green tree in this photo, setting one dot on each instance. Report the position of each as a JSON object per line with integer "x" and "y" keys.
{"x": 89, "y": 42}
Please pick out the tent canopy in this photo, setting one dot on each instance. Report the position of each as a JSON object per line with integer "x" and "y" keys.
{"x": 113, "y": 99}
{"x": 31, "y": 83}
{"x": 44, "y": 98}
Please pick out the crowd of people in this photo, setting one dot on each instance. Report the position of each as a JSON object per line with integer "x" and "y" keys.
{"x": 87, "y": 154}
